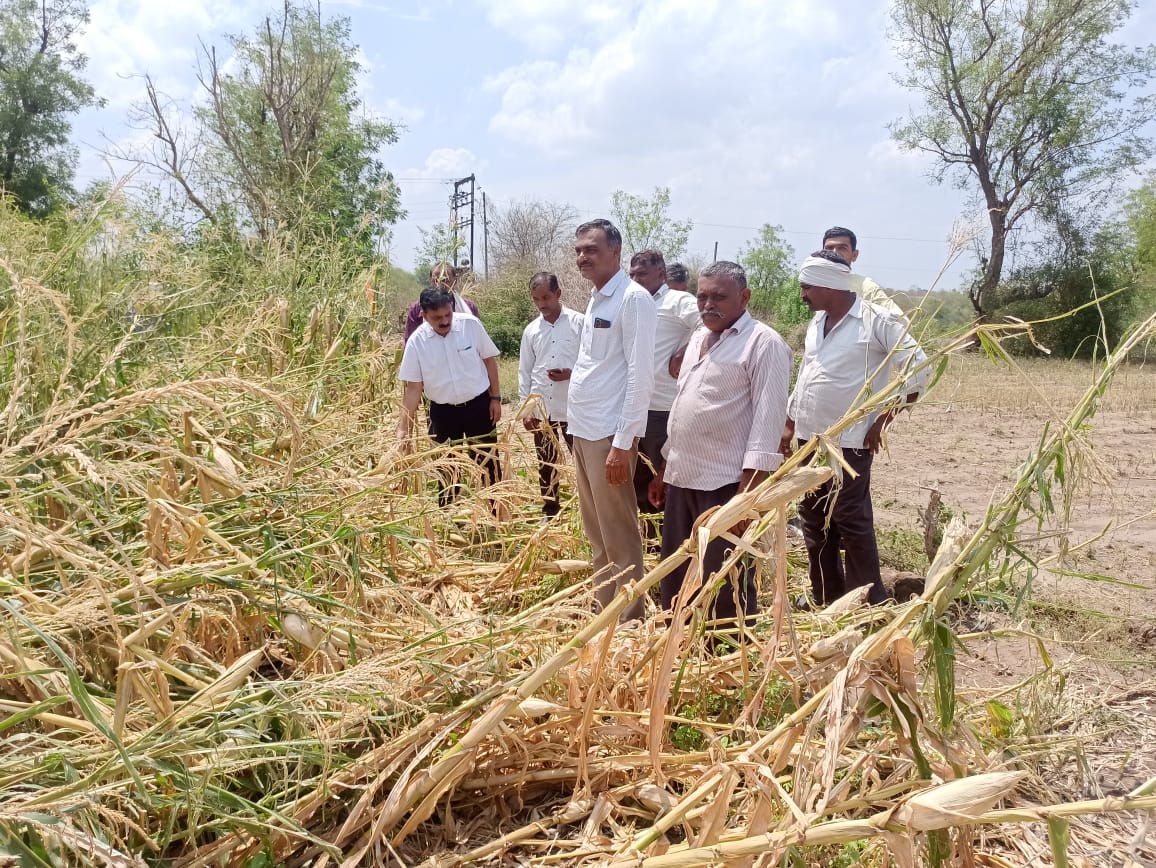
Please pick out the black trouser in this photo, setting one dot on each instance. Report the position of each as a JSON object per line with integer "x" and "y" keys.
{"x": 683, "y": 507}
{"x": 546, "y": 438}
{"x": 852, "y": 528}
{"x": 469, "y": 423}
{"x": 650, "y": 445}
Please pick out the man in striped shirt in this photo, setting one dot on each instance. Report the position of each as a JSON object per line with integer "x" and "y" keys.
{"x": 724, "y": 427}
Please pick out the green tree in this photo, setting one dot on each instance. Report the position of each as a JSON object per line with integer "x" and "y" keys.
{"x": 288, "y": 152}
{"x": 645, "y": 225}
{"x": 1024, "y": 102}
{"x": 1140, "y": 214}
{"x": 40, "y": 90}
{"x": 438, "y": 244}
{"x": 770, "y": 265}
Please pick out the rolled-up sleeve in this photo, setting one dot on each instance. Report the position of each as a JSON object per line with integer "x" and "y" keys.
{"x": 638, "y": 323}
{"x": 770, "y": 382}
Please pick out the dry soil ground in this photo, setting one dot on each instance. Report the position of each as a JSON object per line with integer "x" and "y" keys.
{"x": 1097, "y": 700}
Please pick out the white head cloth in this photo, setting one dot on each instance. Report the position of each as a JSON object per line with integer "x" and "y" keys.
{"x": 816, "y": 271}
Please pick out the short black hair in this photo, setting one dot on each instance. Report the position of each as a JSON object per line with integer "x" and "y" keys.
{"x": 546, "y": 277}
{"x": 613, "y": 236}
{"x": 677, "y": 272}
{"x": 841, "y": 232}
{"x": 651, "y": 258}
{"x": 435, "y": 298}
{"x": 832, "y": 256}
{"x": 725, "y": 268}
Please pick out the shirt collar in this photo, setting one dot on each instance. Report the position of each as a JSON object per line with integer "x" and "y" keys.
{"x": 613, "y": 284}
{"x": 662, "y": 290}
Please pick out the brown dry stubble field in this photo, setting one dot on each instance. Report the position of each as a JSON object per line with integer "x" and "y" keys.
{"x": 966, "y": 440}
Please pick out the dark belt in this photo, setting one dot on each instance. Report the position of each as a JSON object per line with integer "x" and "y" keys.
{"x": 485, "y": 393}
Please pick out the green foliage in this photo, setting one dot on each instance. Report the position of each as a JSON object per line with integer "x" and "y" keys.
{"x": 645, "y": 225}
{"x": 289, "y": 156}
{"x": 40, "y": 89}
{"x": 506, "y": 307}
{"x": 1024, "y": 102}
{"x": 439, "y": 244}
{"x": 1140, "y": 212}
{"x": 1076, "y": 283}
{"x": 770, "y": 265}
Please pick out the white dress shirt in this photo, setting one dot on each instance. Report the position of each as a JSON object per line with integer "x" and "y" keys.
{"x": 614, "y": 375}
{"x": 731, "y": 406}
{"x": 868, "y": 290}
{"x": 451, "y": 368}
{"x": 678, "y": 316}
{"x": 546, "y": 346}
{"x": 836, "y": 367}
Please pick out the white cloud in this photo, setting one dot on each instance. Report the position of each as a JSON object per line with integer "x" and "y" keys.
{"x": 543, "y": 25}
{"x": 127, "y": 38}
{"x": 442, "y": 163}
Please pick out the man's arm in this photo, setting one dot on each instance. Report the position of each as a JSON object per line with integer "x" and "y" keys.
{"x": 638, "y": 319}
{"x": 491, "y": 364}
{"x": 905, "y": 359}
{"x": 410, "y": 399}
{"x": 526, "y": 362}
{"x": 770, "y": 379}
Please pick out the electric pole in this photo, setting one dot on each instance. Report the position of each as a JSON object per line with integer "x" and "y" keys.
{"x": 485, "y": 238}
{"x": 459, "y": 202}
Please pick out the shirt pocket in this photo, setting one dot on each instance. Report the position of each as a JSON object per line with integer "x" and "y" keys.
{"x": 599, "y": 343}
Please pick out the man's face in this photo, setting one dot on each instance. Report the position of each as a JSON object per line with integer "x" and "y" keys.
{"x": 548, "y": 302}
{"x": 841, "y": 244}
{"x": 440, "y": 319}
{"x": 442, "y": 277}
{"x": 721, "y": 302}
{"x": 816, "y": 297}
{"x": 596, "y": 259}
{"x": 649, "y": 277}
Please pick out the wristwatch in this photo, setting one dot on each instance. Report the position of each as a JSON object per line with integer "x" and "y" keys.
{"x": 495, "y": 397}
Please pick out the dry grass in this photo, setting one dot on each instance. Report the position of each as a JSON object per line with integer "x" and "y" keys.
{"x": 238, "y": 630}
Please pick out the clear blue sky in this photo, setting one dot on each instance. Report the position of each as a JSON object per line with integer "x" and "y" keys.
{"x": 751, "y": 111}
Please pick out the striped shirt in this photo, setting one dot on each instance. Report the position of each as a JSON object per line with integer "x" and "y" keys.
{"x": 731, "y": 407}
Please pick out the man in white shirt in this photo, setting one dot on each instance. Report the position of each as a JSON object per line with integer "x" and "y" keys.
{"x": 677, "y": 318}
{"x": 839, "y": 239}
{"x": 452, "y": 360}
{"x": 851, "y": 343}
{"x": 548, "y": 351}
{"x": 724, "y": 426}
{"x": 677, "y": 277}
{"x": 610, "y": 388}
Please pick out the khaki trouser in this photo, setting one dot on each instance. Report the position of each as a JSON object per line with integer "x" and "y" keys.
{"x": 610, "y": 519}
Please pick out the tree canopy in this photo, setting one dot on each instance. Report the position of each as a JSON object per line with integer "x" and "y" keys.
{"x": 645, "y": 225}
{"x": 41, "y": 88}
{"x": 286, "y": 148}
{"x": 770, "y": 265}
{"x": 1026, "y": 102}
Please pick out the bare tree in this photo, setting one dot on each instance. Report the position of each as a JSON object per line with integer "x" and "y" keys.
{"x": 531, "y": 232}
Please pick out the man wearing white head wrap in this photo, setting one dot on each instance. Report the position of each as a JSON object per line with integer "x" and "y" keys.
{"x": 853, "y": 348}
{"x": 839, "y": 239}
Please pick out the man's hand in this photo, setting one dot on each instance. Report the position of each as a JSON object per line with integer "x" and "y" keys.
{"x": 558, "y": 374}
{"x": 531, "y": 423}
{"x": 618, "y": 466}
{"x": 656, "y": 492}
{"x": 674, "y": 366}
{"x": 656, "y": 488}
{"x": 787, "y": 441}
{"x": 404, "y": 439}
{"x": 495, "y": 411}
{"x": 873, "y": 440}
